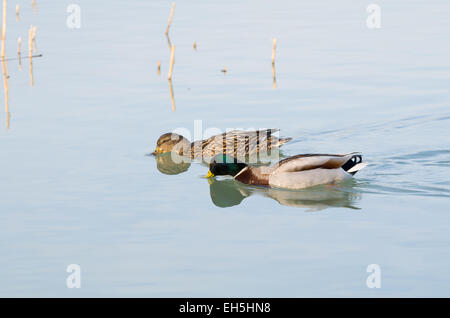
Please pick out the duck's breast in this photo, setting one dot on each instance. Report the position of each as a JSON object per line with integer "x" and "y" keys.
{"x": 307, "y": 178}
{"x": 253, "y": 175}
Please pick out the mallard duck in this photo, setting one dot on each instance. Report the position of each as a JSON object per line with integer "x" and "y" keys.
{"x": 297, "y": 172}
{"x": 236, "y": 143}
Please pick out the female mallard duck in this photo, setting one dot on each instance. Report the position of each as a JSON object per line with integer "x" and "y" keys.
{"x": 236, "y": 143}
{"x": 297, "y": 172}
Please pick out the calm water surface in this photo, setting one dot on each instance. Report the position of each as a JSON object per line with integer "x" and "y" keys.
{"x": 77, "y": 187}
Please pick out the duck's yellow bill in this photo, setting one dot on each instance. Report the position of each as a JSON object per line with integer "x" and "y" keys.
{"x": 209, "y": 175}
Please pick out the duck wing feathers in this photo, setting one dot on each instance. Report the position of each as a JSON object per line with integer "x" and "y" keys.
{"x": 303, "y": 171}
{"x": 239, "y": 143}
{"x": 312, "y": 161}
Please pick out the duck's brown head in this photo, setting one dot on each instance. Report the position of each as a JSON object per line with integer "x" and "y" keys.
{"x": 172, "y": 142}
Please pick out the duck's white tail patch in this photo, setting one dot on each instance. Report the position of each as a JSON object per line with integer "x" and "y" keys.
{"x": 357, "y": 167}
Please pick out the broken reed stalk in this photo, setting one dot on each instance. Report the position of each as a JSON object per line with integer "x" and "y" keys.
{"x": 3, "y": 30}
{"x": 274, "y": 47}
{"x": 159, "y": 68}
{"x": 33, "y": 3}
{"x": 17, "y": 13}
{"x": 170, "y": 17}
{"x": 172, "y": 61}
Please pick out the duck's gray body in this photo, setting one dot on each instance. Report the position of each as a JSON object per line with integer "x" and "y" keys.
{"x": 303, "y": 171}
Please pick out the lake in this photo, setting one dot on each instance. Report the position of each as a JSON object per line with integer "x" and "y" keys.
{"x": 78, "y": 187}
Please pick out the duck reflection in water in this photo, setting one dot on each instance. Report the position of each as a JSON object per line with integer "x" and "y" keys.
{"x": 171, "y": 164}
{"x": 229, "y": 192}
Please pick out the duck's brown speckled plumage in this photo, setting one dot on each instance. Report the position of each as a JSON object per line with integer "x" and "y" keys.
{"x": 236, "y": 143}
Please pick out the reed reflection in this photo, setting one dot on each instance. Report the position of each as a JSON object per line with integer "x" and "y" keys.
{"x": 6, "y": 91}
{"x": 31, "y": 47}
{"x": 19, "y": 52}
{"x": 30, "y": 54}
{"x": 274, "y": 77}
{"x": 274, "y": 48}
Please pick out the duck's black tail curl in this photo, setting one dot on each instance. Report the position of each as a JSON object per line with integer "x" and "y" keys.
{"x": 352, "y": 162}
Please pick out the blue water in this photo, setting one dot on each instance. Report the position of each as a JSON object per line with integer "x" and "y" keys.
{"x": 77, "y": 185}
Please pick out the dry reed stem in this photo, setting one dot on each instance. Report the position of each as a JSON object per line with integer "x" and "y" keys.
{"x": 3, "y": 30}
{"x": 172, "y": 98}
{"x": 274, "y": 47}
{"x": 30, "y": 41}
{"x": 170, "y": 17}
{"x": 17, "y": 12}
{"x": 168, "y": 42}
{"x": 159, "y": 68}
{"x": 34, "y": 40}
{"x": 172, "y": 61}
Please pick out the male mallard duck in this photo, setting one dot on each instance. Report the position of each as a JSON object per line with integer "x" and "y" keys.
{"x": 297, "y": 172}
{"x": 236, "y": 143}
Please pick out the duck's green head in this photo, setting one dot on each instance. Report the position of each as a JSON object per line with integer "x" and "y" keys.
{"x": 222, "y": 165}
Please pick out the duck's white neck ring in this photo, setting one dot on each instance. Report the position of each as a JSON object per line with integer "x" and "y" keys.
{"x": 240, "y": 172}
